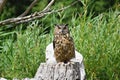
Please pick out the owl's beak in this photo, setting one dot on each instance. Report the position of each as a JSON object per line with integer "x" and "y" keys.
{"x": 61, "y": 31}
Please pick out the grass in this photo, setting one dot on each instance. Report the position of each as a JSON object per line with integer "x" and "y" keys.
{"x": 97, "y": 39}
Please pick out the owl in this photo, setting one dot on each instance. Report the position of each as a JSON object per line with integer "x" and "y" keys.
{"x": 63, "y": 44}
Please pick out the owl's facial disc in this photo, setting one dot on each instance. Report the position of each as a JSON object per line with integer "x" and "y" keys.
{"x": 62, "y": 29}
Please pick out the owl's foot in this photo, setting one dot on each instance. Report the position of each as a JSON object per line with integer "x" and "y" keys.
{"x": 70, "y": 62}
{"x": 59, "y": 63}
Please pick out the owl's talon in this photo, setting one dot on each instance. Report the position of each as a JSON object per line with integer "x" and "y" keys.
{"x": 68, "y": 63}
{"x": 72, "y": 63}
{"x": 59, "y": 63}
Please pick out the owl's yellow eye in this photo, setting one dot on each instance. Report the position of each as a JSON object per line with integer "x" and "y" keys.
{"x": 59, "y": 27}
{"x": 65, "y": 27}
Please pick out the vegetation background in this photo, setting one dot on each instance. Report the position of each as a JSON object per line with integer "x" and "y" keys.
{"x": 94, "y": 25}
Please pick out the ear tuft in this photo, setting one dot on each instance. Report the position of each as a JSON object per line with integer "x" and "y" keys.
{"x": 55, "y": 24}
{"x": 66, "y": 24}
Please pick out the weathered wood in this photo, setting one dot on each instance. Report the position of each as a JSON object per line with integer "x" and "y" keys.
{"x": 33, "y": 16}
{"x": 59, "y": 71}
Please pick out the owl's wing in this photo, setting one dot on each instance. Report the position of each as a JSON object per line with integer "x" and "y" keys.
{"x": 70, "y": 38}
{"x": 72, "y": 42}
{"x": 54, "y": 44}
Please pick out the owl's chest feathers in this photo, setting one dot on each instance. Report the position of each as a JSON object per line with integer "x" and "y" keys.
{"x": 63, "y": 48}
{"x": 62, "y": 40}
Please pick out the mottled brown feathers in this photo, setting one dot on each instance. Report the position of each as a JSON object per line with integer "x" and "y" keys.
{"x": 63, "y": 44}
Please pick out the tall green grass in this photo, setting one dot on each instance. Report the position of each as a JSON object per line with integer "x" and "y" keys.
{"x": 97, "y": 39}
{"x": 21, "y": 57}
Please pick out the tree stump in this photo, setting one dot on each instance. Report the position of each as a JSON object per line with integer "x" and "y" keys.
{"x": 59, "y": 71}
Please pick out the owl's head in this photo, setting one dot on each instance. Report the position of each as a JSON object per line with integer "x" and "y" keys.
{"x": 61, "y": 29}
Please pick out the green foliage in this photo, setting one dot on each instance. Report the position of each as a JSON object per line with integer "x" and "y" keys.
{"x": 96, "y": 38}
{"x": 99, "y": 6}
{"x": 40, "y": 5}
{"x": 24, "y": 55}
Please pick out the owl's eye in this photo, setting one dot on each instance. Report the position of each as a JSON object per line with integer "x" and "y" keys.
{"x": 59, "y": 27}
{"x": 65, "y": 27}
{"x": 66, "y": 24}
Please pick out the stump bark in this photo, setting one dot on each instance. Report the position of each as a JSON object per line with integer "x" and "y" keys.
{"x": 59, "y": 71}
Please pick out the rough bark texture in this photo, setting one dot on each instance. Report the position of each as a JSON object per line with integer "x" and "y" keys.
{"x": 60, "y": 71}
{"x": 33, "y": 16}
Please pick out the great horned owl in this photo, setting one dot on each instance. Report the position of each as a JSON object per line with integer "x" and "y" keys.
{"x": 63, "y": 44}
